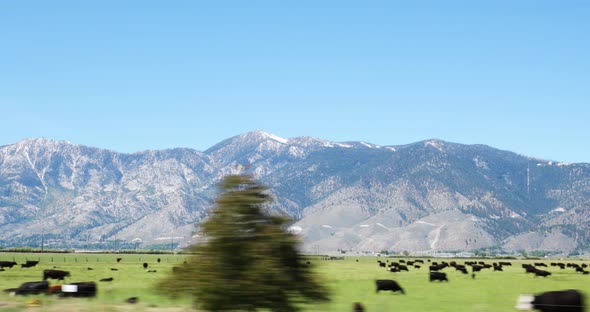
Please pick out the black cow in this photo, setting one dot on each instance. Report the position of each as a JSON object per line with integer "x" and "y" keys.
{"x": 145, "y": 265}
{"x": 476, "y": 268}
{"x": 382, "y": 264}
{"x": 403, "y": 268}
{"x": 7, "y": 264}
{"x": 158, "y": 260}
{"x": 529, "y": 268}
{"x": 80, "y": 289}
{"x": 119, "y": 259}
{"x": 55, "y": 274}
{"x": 29, "y": 264}
{"x": 30, "y": 288}
{"x": 357, "y": 307}
{"x": 554, "y": 301}
{"x": 542, "y": 273}
{"x": 436, "y": 267}
{"x": 132, "y": 300}
{"x": 388, "y": 285}
{"x": 438, "y": 276}
{"x": 108, "y": 279}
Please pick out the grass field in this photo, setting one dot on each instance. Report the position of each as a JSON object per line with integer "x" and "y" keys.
{"x": 349, "y": 280}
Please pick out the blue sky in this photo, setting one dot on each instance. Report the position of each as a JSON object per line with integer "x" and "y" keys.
{"x": 137, "y": 75}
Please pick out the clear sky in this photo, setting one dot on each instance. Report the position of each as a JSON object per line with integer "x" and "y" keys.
{"x": 137, "y": 75}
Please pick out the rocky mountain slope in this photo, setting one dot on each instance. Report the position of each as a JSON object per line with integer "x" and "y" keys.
{"x": 426, "y": 196}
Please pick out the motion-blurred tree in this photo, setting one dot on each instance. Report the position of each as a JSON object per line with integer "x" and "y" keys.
{"x": 249, "y": 260}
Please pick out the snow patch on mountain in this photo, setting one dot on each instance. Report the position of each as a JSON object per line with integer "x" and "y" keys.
{"x": 434, "y": 143}
{"x": 558, "y": 209}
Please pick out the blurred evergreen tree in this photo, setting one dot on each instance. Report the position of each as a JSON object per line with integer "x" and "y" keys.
{"x": 249, "y": 260}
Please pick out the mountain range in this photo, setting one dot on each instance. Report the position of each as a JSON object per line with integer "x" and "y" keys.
{"x": 350, "y": 196}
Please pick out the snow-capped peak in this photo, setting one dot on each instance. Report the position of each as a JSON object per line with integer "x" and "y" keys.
{"x": 266, "y": 135}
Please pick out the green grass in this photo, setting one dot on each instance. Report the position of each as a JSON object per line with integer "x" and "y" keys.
{"x": 350, "y": 281}
{"x": 130, "y": 280}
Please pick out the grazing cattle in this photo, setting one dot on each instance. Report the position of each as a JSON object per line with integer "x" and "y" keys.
{"x": 145, "y": 265}
{"x": 476, "y": 268}
{"x": 119, "y": 259}
{"x": 540, "y": 264}
{"x": 31, "y": 288}
{"x": 29, "y": 264}
{"x": 151, "y": 271}
{"x": 357, "y": 307}
{"x": 438, "y": 276}
{"x": 463, "y": 270}
{"x": 55, "y": 274}
{"x": 114, "y": 269}
{"x": 417, "y": 266}
{"x": 7, "y": 264}
{"x": 393, "y": 269}
{"x": 402, "y": 261}
{"x": 403, "y": 268}
{"x": 542, "y": 273}
{"x": 80, "y": 289}
{"x": 55, "y": 289}
{"x": 158, "y": 260}
{"x": 388, "y": 285}
{"x": 553, "y": 301}
{"x": 90, "y": 269}
{"x": 382, "y": 264}
{"x": 108, "y": 279}
{"x": 529, "y": 268}
{"x": 132, "y": 300}
{"x": 420, "y": 261}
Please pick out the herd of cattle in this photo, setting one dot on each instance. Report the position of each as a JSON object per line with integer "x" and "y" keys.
{"x": 75, "y": 289}
{"x": 553, "y": 301}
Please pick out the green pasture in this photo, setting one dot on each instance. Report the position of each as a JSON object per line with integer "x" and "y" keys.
{"x": 130, "y": 278}
{"x": 349, "y": 280}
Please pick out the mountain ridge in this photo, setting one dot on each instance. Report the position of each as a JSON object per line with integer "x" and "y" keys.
{"x": 354, "y": 196}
